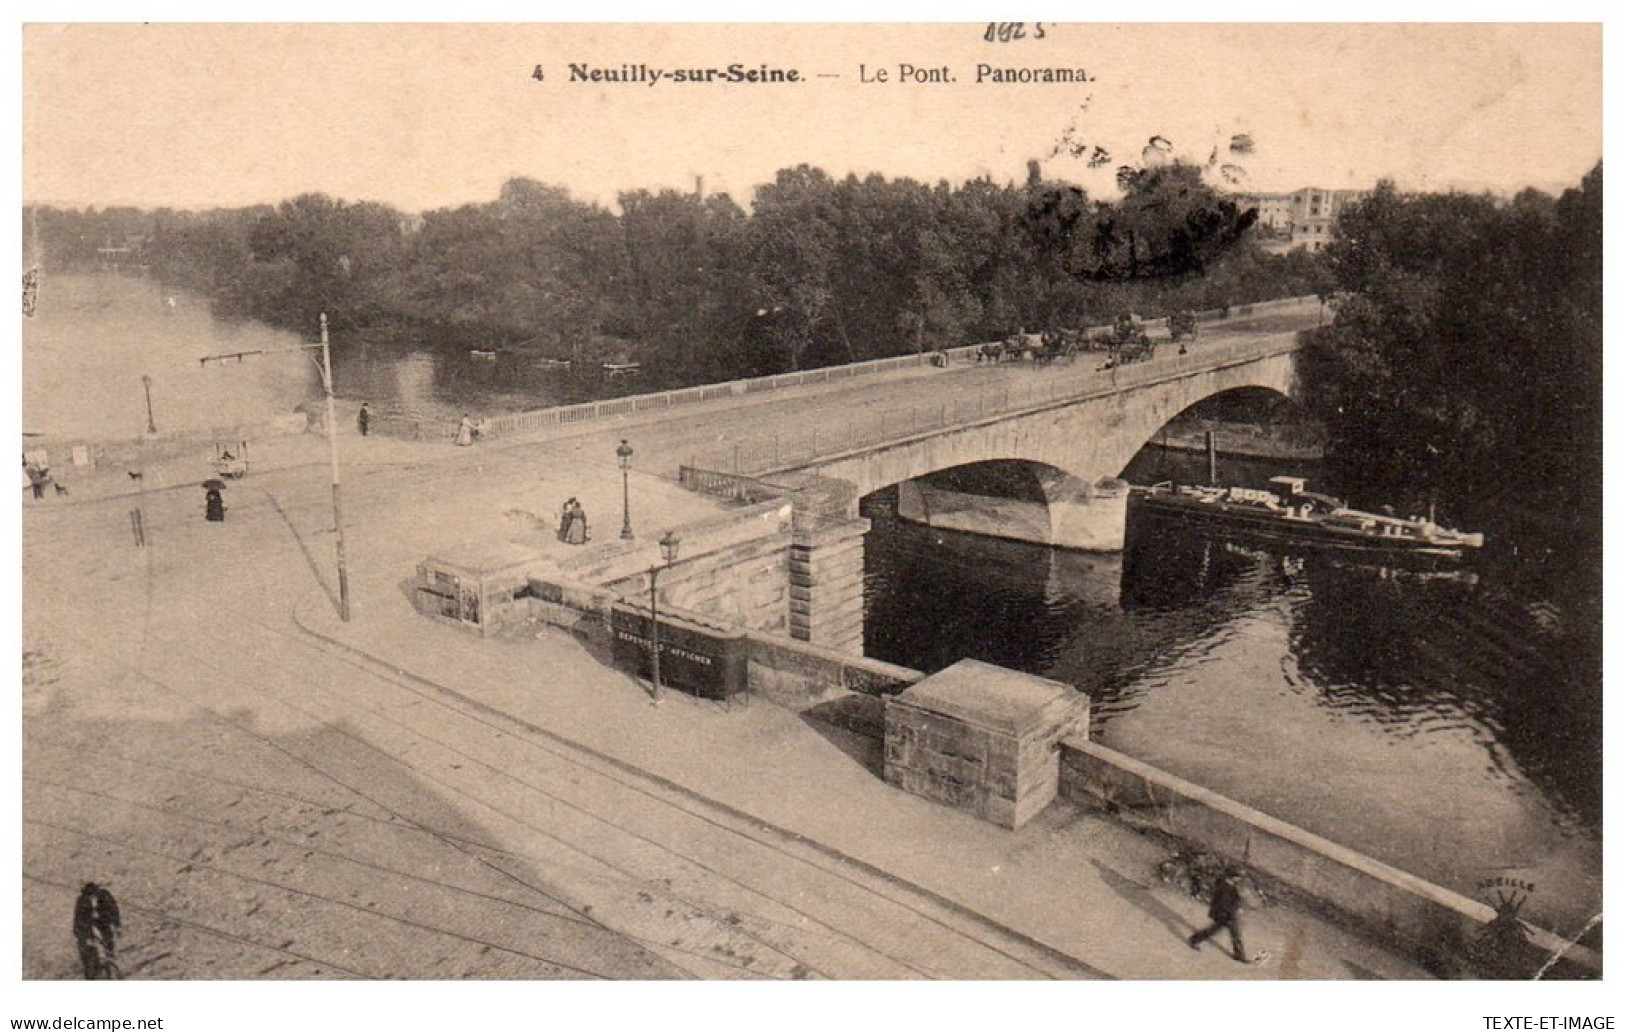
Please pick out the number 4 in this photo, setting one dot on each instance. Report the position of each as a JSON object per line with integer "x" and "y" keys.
{"x": 537, "y": 74}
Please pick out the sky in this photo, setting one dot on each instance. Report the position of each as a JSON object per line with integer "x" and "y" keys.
{"x": 428, "y": 116}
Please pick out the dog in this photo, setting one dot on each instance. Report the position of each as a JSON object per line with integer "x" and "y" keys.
{"x": 60, "y": 490}
{"x": 134, "y": 474}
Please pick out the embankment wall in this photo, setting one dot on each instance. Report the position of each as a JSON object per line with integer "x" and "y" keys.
{"x": 1435, "y": 924}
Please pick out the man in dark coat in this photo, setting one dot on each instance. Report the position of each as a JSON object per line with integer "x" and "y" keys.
{"x": 108, "y": 921}
{"x": 1225, "y": 912}
{"x": 95, "y": 916}
{"x": 363, "y": 419}
{"x": 84, "y": 927}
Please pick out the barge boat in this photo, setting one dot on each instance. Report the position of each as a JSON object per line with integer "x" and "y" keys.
{"x": 1286, "y": 512}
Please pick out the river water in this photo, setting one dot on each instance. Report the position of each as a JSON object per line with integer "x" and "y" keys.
{"x": 95, "y": 336}
{"x": 1437, "y": 724}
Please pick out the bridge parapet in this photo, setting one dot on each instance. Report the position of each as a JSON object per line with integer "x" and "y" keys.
{"x": 541, "y": 419}
{"x": 999, "y": 398}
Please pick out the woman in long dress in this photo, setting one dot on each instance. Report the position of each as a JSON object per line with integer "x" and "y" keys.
{"x": 576, "y": 534}
{"x": 465, "y": 432}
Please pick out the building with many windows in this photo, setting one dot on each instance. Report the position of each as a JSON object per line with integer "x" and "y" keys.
{"x": 1302, "y": 218}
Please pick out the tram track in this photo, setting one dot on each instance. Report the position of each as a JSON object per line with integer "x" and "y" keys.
{"x": 383, "y": 870}
{"x": 133, "y": 967}
{"x": 186, "y": 653}
{"x": 473, "y": 853}
{"x": 557, "y": 748}
{"x": 373, "y": 913}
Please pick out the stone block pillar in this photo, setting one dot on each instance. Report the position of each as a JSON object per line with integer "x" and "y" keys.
{"x": 826, "y": 585}
{"x": 982, "y": 739}
{"x": 826, "y": 562}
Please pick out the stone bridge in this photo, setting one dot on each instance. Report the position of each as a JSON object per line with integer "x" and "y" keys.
{"x": 1064, "y": 430}
{"x": 1067, "y": 446}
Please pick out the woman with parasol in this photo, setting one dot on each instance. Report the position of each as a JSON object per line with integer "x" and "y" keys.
{"x": 214, "y": 505}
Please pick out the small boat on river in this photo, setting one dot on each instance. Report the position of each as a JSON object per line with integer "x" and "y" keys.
{"x": 1286, "y": 512}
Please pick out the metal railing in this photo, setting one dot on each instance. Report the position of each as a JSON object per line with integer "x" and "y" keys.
{"x": 730, "y": 486}
{"x": 811, "y": 511}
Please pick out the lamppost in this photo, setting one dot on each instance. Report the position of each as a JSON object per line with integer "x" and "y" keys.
{"x": 325, "y": 367}
{"x": 146, "y": 384}
{"x": 668, "y": 552}
{"x": 624, "y": 454}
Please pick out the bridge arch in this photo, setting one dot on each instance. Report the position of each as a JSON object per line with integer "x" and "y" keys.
{"x": 1213, "y": 403}
{"x": 1083, "y": 428}
{"x": 1089, "y": 437}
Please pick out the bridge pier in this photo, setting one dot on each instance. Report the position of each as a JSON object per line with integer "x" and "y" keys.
{"x": 1090, "y": 517}
{"x": 825, "y": 562}
{"x": 1072, "y": 513}
{"x": 826, "y": 585}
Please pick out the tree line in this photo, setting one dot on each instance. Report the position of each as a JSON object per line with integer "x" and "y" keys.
{"x": 1465, "y": 359}
{"x": 818, "y": 271}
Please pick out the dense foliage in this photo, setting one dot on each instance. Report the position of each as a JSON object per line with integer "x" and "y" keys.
{"x": 1465, "y": 360}
{"x": 819, "y": 271}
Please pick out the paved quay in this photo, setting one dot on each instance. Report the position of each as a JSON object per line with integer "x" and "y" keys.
{"x": 1071, "y": 881}
{"x": 1075, "y": 882}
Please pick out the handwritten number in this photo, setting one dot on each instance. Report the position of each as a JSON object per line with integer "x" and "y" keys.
{"x": 1005, "y": 32}
{"x": 537, "y": 74}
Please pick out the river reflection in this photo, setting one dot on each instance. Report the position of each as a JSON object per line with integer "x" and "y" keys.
{"x": 1383, "y": 709}
{"x": 96, "y": 335}
{"x": 94, "y": 338}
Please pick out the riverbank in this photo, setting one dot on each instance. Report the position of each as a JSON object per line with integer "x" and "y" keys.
{"x": 1243, "y": 440}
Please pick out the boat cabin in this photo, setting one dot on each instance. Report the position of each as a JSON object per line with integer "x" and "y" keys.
{"x": 1288, "y": 488}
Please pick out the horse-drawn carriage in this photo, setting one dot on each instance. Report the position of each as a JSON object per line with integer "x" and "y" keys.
{"x": 1127, "y": 342}
{"x": 1058, "y": 344}
{"x": 1011, "y": 349}
{"x": 1042, "y": 348}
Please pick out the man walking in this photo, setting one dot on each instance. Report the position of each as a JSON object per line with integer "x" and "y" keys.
{"x": 1225, "y": 912}
{"x": 95, "y": 928}
{"x": 363, "y": 419}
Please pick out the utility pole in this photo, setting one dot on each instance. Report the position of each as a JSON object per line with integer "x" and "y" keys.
{"x": 146, "y": 384}
{"x": 333, "y": 451}
{"x": 325, "y": 366}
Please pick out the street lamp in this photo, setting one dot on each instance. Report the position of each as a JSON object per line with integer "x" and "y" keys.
{"x": 325, "y": 367}
{"x": 668, "y": 552}
{"x": 624, "y": 454}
